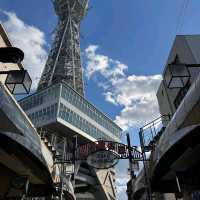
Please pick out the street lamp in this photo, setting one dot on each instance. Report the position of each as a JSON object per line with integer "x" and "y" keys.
{"x": 11, "y": 55}
{"x": 17, "y": 81}
{"x": 177, "y": 75}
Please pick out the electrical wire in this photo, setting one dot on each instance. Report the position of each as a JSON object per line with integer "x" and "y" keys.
{"x": 181, "y": 17}
{"x": 184, "y": 14}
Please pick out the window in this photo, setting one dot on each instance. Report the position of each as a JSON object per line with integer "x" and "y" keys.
{"x": 79, "y": 102}
{"x": 36, "y": 116}
{"x": 40, "y": 113}
{"x": 66, "y": 114}
{"x": 44, "y": 112}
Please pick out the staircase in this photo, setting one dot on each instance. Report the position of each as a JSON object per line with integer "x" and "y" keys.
{"x": 63, "y": 160}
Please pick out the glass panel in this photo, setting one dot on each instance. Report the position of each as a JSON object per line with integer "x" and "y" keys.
{"x": 15, "y": 76}
{"x": 176, "y": 82}
{"x": 10, "y": 87}
{"x": 168, "y": 76}
{"x": 73, "y": 98}
{"x": 27, "y": 81}
{"x": 19, "y": 89}
{"x": 179, "y": 70}
{"x": 176, "y": 76}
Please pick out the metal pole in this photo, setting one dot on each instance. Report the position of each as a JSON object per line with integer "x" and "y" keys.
{"x": 141, "y": 136}
{"x": 63, "y": 168}
{"x": 133, "y": 176}
{"x": 75, "y": 144}
{"x": 130, "y": 156}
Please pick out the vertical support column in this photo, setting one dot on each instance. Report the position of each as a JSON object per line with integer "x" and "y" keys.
{"x": 130, "y": 156}
{"x": 63, "y": 168}
{"x": 75, "y": 145}
{"x": 147, "y": 180}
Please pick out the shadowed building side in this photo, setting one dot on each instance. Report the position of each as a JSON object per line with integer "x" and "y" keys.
{"x": 173, "y": 165}
{"x": 26, "y": 164}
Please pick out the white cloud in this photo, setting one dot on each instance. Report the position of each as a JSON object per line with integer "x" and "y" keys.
{"x": 110, "y": 98}
{"x": 121, "y": 184}
{"x": 102, "y": 64}
{"x": 136, "y": 94}
{"x": 31, "y": 40}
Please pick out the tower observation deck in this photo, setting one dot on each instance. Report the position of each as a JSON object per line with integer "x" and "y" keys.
{"x": 64, "y": 61}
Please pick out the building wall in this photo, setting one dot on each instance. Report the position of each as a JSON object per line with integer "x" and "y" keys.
{"x": 187, "y": 48}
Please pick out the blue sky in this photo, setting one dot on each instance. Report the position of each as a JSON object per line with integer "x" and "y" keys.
{"x": 131, "y": 36}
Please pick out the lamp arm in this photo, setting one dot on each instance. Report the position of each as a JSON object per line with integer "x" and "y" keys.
{"x": 7, "y": 72}
{"x": 4, "y": 72}
{"x": 193, "y": 65}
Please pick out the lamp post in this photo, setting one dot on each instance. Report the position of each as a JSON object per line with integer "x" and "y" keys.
{"x": 133, "y": 176}
{"x": 17, "y": 81}
{"x": 144, "y": 159}
{"x": 130, "y": 156}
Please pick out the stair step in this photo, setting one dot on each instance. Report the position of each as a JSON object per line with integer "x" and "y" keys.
{"x": 49, "y": 144}
{"x": 42, "y": 137}
{"x": 53, "y": 149}
{"x": 45, "y": 140}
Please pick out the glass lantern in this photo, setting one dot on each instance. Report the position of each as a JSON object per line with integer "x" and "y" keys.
{"x": 18, "y": 82}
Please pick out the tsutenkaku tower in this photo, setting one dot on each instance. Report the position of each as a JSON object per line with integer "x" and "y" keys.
{"x": 64, "y": 60}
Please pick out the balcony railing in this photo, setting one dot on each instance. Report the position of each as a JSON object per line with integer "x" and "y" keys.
{"x": 150, "y": 133}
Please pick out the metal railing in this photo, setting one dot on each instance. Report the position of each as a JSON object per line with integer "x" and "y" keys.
{"x": 150, "y": 133}
{"x": 63, "y": 159}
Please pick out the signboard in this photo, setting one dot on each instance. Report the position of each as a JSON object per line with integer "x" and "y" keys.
{"x": 102, "y": 159}
{"x": 101, "y": 155}
{"x": 105, "y": 154}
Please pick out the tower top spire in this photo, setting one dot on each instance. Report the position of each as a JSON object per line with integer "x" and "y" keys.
{"x": 78, "y": 8}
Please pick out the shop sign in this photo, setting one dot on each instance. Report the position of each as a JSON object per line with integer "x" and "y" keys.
{"x": 105, "y": 154}
{"x": 103, "y": 159}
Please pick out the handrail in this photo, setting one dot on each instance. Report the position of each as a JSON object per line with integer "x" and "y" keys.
{"x": 155, "y": 120}
{"x": 150, "y": 133}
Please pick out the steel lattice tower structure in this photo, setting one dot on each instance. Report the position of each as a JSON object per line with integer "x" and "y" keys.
{"x": 64, "y": 60}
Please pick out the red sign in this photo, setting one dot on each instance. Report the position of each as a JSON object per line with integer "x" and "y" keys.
{"x": 104, "y": 154}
